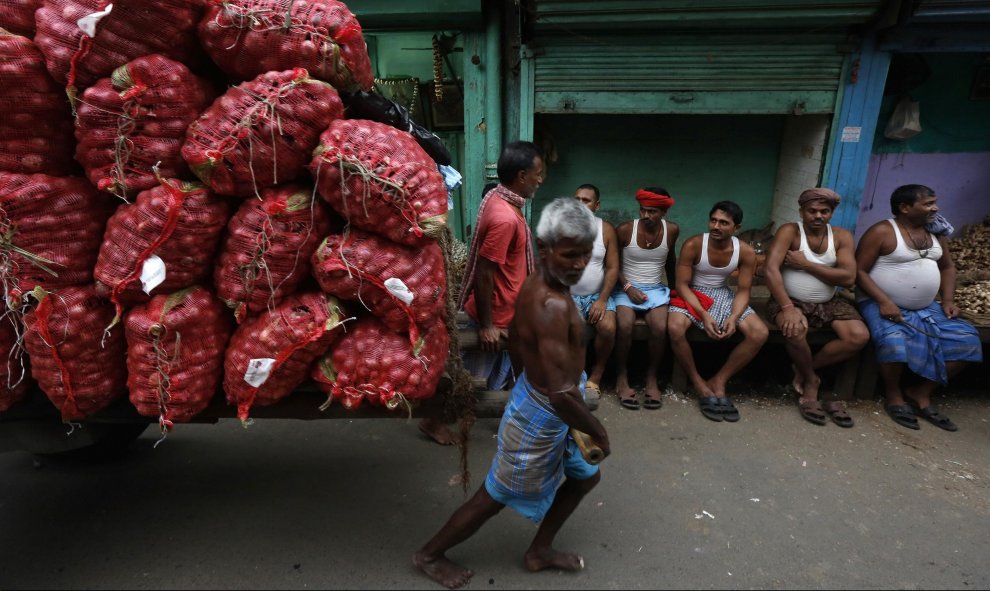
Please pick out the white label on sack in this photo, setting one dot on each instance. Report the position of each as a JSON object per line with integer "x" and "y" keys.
{"x": 396, "y": 287}
{"x": 152, "y": 273}
{"x": 87, "y": 24}
{"x": 258, "y": 371}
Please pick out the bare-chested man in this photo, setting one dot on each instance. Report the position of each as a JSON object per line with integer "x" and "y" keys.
{"x": 537, "y": 469}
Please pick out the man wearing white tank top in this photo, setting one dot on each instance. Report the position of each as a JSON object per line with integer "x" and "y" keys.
{"x": 647, "y": 245}
{"x": 705, "y": 301}
{"x": 593, "y": 293}
{"x": 902, "y": 266}
{"x": 807, "y": 262}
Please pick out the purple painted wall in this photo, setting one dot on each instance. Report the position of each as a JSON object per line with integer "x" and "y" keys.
{"x": 961, "y": 181}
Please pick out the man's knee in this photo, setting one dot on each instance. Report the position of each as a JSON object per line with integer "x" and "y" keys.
{"x": 606, "y": 326}
{"x": 757, "y": 331}
{"x": 677, "y": 326}
{"x": 859, "y": 335}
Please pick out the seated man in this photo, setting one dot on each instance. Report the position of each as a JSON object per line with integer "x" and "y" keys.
{"x": 705, "y": 301}
{"x": 593, "y": 293}
{"x": 806, "y": 263}
{"x": 902, "y": 267}
{"x": 647, "y": 256}
{"x": 538, "y": 469}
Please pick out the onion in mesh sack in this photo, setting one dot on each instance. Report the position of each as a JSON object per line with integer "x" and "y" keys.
{"x": 50, "y": 231}
{"x": 370, "y": 362}
{"x": 261, "y": 133}
{"x": 175, "y": 346}
{"x": 17, "y": 16}
{"x": 270, "y": 355}
{"x": 161, "y": 243}
{"x": 36, "y": 126}
{"x": 135, "y": 120}
{"x": 380, "y": 180}
{"x": 249, "y": 37}
{"x": 267, "y": 250}
{"x": 79, "y": 370}
{"x": 131, "y": 29}
{"x": 403, "y": 286}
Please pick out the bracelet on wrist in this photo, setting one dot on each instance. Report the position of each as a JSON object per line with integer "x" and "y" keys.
{"x": 626, "y": 286}
{"x": 786, "y": 306}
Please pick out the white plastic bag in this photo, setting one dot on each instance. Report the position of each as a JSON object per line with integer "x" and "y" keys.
{"x": 905, "y": 121}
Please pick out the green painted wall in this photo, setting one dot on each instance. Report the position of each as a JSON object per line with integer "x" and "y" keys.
{"x": 950, "y": 120}
{"x": 700, "y": 160}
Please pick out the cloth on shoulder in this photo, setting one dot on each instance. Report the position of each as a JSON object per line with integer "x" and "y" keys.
{"x": 924, "y": 341}
{"x": 535, "y": 453}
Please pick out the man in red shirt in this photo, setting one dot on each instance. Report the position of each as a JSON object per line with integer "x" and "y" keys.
{"x": 500, "y": 259}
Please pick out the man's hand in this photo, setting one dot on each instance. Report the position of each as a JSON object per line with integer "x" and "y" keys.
{"x": 951, "y": 310}
{"x": 795, "y": 259}
{"x": 713, "y": 330}
{"x": 791, "y": 322}
{"x": 490, "y": 338}
{"x": 890, "y": 311}
{"x": 637, "y": 296}
{"x": 597, "y": 311}
{"x": 729, "y": 326}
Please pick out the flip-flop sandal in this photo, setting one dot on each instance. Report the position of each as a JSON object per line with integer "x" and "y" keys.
{"x": 629, "y": 402}
{"x": 711, "y": 408}
{"x": 837, "y": 410}
{"x": 651, "y": 402}
{"x": 903, "y": 415}
{"x": 729, "y": 411}
{"x": 813, "y": 412}
{"x": 933, "y": 416}
{"x": 592, "y": 390}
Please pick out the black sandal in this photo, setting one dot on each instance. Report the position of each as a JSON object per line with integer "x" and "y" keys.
{"x": 632, "y": 403}
{"x": 729, "y": 411}
{"x": 711, "y": 408}
{"x": 933, "y": 416}
{"x": 903, "y": 415}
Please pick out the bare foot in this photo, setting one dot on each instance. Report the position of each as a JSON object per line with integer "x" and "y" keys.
{"x": 717, "y": 387}
{"x": 439, "y": 432}
{"x": 550, "y": 558}
{"x": 702, "y": 388}
{"x": 443, "y": 571}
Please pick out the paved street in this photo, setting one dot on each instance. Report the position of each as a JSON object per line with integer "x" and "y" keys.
{"x": 769, "y": 502}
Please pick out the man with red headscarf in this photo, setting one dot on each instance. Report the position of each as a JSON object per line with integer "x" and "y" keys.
{"x": 647, "y": 250}
{"x": 808, "y": 261}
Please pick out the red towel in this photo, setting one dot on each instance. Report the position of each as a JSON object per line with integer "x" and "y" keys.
{"x": 705, "y": 301}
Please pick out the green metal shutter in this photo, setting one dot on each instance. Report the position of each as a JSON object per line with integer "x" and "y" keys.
{"x": 697, "y": 72}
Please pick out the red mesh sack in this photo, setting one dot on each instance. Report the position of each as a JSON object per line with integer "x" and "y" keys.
{"x": 267, "y": 250}
{"x": 136, "y": 119}
{"x": 175, "y": 347}
{"x": 261, "y": 133}
{"x": 269, "y": 355}
{"x": 17, "y": 16}
{"x": 50, "y": 231}
{"x": 379, "y": 178}
{"x": 13, "y": 372}
{"x": 172, "y": 229}
{"x": 36, "y": 126}
{"x": 365, "y": 267}
{"x": 78, "y": 367}
{"x": 370, "y": 362}
{"x": 250, "y": 37}
{"x": 133, "y": 28}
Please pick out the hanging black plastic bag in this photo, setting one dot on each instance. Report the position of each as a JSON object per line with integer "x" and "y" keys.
{"x": 373, "y": 106}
